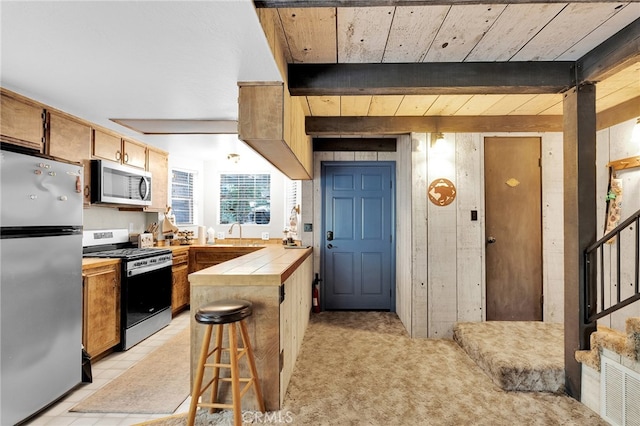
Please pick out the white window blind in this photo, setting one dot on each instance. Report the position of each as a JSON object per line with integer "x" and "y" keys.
{"x": 245, "y": 198}
{"x": 182, "y": 196}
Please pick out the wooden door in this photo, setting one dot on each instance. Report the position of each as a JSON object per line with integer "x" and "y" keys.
{"x": 158, "y": 165}
{"x": 135, "y": 154}
{"x": 101, "y": 313}
{"x": 71, "y": 140}
{"x": 21, "y": 123}
{"x": 107, "y": 146}
{"x": 180, "y": 281}
{"x": 357, "y": 241}
{"x": 513, "y": 228}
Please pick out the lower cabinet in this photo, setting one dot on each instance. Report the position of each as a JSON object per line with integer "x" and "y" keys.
{"x": 203, "y": 257}
{"x": 180, "y": 277}
{"x": 101, "y": 308}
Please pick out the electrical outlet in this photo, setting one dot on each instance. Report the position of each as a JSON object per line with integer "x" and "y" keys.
{"x": 221, "y": 235}
{"x": 308, "y": 227}
{"x": 265, "y": 235}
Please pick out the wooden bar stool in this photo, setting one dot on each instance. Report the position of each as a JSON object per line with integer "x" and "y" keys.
{"x": 219, "y": 313}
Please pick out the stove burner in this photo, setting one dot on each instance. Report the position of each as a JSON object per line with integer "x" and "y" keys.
{"x": 129, "y": 253}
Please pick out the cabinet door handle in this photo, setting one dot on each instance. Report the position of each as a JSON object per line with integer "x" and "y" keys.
{"x": 126, "y": 158}
{"x": 118, "y": 155}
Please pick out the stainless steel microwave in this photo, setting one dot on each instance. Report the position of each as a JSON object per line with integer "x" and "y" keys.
{"x": 114, "y": 183}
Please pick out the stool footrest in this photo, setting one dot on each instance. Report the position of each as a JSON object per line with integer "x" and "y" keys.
{"x": 214, "y": 405}
{"x": 214, "y": 364}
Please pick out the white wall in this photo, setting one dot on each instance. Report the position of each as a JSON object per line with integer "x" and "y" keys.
{"x": 250, "y": 162}
{"x": 453, "y": 287}
{"x": 96, "y": 217}
{"x": 613, "y": 144}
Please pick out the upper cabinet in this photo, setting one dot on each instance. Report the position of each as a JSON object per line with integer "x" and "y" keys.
{"x": 272, "y": 123}
{"x": 158, "y": 165}
{"x": 111, "y": 147}
{"x": 134, "y": 153}
{"x": 21, "y": 122}
{"x": 33, "y": 125}
{"x": 70, "y": 139}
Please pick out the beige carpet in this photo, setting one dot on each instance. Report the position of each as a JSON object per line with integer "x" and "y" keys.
{"x": 158, "y": 384}
{"x": 361, "y": 368}
{"x": 516, "y": 355}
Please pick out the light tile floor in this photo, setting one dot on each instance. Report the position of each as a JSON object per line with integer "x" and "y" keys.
{"x": 103, "y": 372}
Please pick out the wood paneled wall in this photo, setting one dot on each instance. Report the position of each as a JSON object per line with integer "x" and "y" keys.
{"x": 612, "y": 144}
{"x": 440, "y": 252}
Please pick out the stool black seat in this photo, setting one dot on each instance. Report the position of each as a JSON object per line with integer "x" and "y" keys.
{"x": 224, "y": 311}
{"x": 218, "y": 314}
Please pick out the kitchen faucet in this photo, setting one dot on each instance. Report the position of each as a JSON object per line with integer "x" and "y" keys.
{"x": 239, "y": 226}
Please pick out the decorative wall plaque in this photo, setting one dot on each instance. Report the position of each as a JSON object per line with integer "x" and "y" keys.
{"x": 441, "y": 192}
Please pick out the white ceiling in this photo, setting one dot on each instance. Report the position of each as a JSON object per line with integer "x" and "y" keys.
{"x": 136, "y": 60}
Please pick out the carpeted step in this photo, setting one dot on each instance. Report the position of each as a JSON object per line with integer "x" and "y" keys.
{"x": 626, "y": 344}
{"x": 516, "y": 355}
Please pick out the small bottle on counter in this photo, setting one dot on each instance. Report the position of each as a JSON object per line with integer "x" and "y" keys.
{"x": 284, "y": 237}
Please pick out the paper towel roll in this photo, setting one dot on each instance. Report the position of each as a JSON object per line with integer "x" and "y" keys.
{"x": 202, "y": 235}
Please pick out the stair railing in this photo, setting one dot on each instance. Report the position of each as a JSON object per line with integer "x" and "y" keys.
{"x": 597, "y": 307}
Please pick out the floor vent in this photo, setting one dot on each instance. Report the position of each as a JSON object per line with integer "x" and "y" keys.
{"x": 620, "y": 393}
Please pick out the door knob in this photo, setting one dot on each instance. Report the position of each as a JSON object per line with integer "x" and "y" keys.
{"x": 329, "y": 246}
{"x": 491, "y": 240}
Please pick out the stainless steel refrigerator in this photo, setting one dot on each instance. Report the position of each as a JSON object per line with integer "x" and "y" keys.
{"x": 41, "y": 282}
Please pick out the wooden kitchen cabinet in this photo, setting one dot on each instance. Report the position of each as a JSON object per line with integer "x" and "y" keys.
{"x": 273, "y": 123}
{"x": 158, "y": 165}
{"x": 112, "y": 147}
{"x": 202, "y": 257}
{"x": 21, "y": 122}
{"x": 101, "y": 308}
{"x": 134, "y": 153}
{"x": 70, "y": 139}
{"x": 180, "y": 276}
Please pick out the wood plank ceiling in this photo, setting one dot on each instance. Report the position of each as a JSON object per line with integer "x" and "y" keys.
{"x": 445, "y": 32}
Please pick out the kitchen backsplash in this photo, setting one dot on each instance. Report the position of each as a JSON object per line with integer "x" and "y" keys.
{"x": 110, "y": 218}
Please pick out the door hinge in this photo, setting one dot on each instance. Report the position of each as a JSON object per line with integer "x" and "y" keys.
{"x": 391, "y": 184}
{"x": 539, "y": 162}
{"x": 282, "y": 293}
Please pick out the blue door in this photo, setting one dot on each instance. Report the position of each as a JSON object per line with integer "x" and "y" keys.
{"x": 358, "y": 244}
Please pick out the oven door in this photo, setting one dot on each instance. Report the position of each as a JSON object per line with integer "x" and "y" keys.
{"x": 146, "y": 303}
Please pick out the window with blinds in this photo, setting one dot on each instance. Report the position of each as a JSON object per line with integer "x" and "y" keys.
{"x": 245, "y": 198}
{"x": 182, "y": 196}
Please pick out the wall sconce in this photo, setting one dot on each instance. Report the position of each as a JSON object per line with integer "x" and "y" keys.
{"x": 233, "y": 158}
{"x": 436, "y": 139}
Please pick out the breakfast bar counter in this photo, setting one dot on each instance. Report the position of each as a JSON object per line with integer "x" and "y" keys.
{"x": 277, "y": 280}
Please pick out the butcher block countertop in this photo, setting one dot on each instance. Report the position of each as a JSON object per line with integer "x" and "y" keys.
{"x": 96, "y": 262}
{"x": 267, "y": 266}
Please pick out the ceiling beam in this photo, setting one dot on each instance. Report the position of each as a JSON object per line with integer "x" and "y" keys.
{"x": 355, "y": 144}
{"x": 436, "y": 78}
{"x": 613, "y": 55}
{"x": 375, "y": 3}
{"x": 331, "y": 126}
{"x": 318, "y": 126}
{"x": 627, "y": 110}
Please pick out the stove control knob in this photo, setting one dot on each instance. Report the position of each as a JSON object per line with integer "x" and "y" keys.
{"x": 63, "y": 198}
